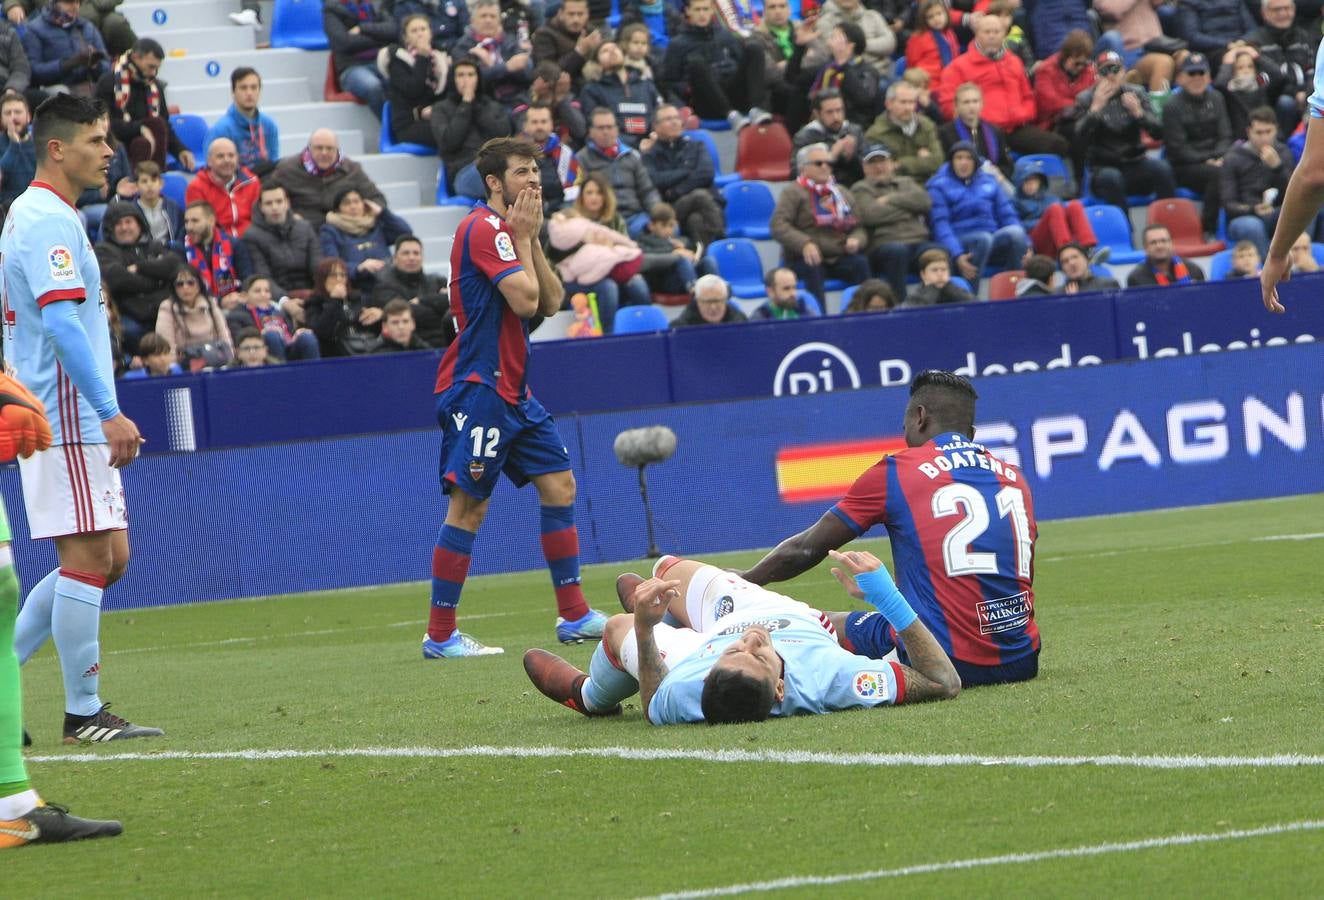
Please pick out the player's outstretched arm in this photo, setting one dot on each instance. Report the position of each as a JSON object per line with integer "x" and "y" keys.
{"x": 1305, "y": 195}
{"x": 651, "y": 599}
{"x": 24, "y": 428}
{"x": 930, "y": 675}
{"x": 801, "y": 552}
{"x": 74, "y": 351}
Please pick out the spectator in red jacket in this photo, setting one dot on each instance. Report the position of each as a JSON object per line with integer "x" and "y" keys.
{"x": 1060, "y": 79}
{"x": 228, "y": 187}
{"x": 1008, "y": 99}
{"x": 932, "y": 45}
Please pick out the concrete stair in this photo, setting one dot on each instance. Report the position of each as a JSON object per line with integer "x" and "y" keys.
{"x": 212, "y": 65}
{"x": 216, "y": 94}
{"x": 351, "y": 143}
{"x": 166, "y": 16}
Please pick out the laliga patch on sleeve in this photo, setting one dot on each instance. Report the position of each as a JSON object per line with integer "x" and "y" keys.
{"x": 505, "y": 247}
{"x": 869, "y": 685}
{"x": 61, "y": 262}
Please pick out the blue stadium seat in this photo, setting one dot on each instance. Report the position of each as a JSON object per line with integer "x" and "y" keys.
{"x": 1220, "y": 264}
{"x": 715, "y": 124}
{"x": 706, "y": 139}
{"x": 1317, "y": 251}
{"x": 444, "y": 196}
{"x": 811, "y": 302}
{"x": 298, "y": 24}
{"x": 636, "y": 319}
{"x": 738, "y": 263}
{"x": 847, "y": 294}
{"x": 175, "y": 186}
{"x": 387, "y": 143}
{"x": 899, "y": 66}
{"x": 749, "y": 206}
{"x": 613, "y": 17}
{"x": 1054, "y": 168}
{"x": 192, "y": 131}
{"x": 1112, "y": 227}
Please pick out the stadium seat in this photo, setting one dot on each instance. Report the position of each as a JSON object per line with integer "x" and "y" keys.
{"x": 763, "y": 153}
{"x": 298, "y": 24}
{"x": 636, "y": 319}
{"x": 811, "y": 302}
{"x": 175, "y": 186}
{"x": 1220, "y": 264}
{"x": 1002, "y": 286}
{"x": 749, "y": 206}
{"x": 715, "y": 124}
{"x": 706, "y": 139}
{"x": 1112, "y": 227}
{"x": 444, "y": 195}
{"x": 899, "y": 67}
{"x": 1317, "y": 251}
{"x": 1054, "y": 168}
{"x": 738, "y": 263}
{"x": 331, "y": 91}
{"x": 192, "y": 132}
{"x": 846, "y": 294}
{"x": 387, "y": 143}
{"x": 1183, "y": 220}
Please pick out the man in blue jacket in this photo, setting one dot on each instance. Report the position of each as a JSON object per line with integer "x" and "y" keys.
{"x": 972, "y": 216}
{"x": 254, "y": 134}
{"x": 65, "y": 49}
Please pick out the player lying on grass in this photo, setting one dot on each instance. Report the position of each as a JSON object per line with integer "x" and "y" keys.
{"x": 742, "y": 653}
{"x": 24, "y": 818}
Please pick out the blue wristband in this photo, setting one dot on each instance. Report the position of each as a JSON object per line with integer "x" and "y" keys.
{"x": 881, "y": 592}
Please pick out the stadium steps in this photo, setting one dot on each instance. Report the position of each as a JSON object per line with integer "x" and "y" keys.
{"x": 404, "y": 167}
{"x": 205, "y": 67}
{"x": 180, "y": 15}
{"x": 402, "y": 198}
{"x": 216, "y": 94}
{"x": 183, "y": 42}
{"x": 351, "y": 143}
{"x": 433, "y": 220}
{"x": 307, "y": 117}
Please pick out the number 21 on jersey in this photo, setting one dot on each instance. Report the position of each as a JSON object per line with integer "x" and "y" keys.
{"x": 966, "y": 501}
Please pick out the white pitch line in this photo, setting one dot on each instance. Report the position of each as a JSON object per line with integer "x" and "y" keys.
{"x": 1304, "y": 536}
{"x": 1175, "y": 840}
{"x": 778, "y": 757}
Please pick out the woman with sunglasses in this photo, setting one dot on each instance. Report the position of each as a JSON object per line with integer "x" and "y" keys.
{"x": 193, "y": 323}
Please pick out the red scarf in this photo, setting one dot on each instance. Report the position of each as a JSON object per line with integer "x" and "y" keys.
{"x": 125, "y": 74}
{"x": 216, "y": 266}
{"x": 831, "y": 208}
{"x": 830, "y": 76}
{"x": 1180, "y": 274}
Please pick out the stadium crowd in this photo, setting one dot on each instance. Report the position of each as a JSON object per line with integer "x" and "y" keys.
{"x": 931, "y": 153}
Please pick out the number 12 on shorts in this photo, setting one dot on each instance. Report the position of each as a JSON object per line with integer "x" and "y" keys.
{"x": 478, "y": 434}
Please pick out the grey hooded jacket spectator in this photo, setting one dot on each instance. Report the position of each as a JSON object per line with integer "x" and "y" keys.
{"x": 288, "y": 252}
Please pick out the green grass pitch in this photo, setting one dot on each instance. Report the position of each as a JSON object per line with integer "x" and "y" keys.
{"x": 1192, "y": 633}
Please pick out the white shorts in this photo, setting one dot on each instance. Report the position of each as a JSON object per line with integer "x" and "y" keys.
{"x": 71, "y": 489}
{"x": 716, "y": 593}
{"x": 674, "y": 644}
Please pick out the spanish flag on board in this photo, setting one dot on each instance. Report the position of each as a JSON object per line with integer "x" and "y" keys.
{"x": 816, "y": 472}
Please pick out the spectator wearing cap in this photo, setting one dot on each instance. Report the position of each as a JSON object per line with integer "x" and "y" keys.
{"x": 969, "y": 125}
{"x": 973, "y": 218}
{"x": 909, "y": 134}
{"x": 1196, "y": 134}
{"x": 64, "y": 49}
{"x": 1008, "y": 97}
{"x": 1213, "y": 26}
{"x": 830, "y": 126}
{"x": 894, "y": 209}
{"x": 1109, "y": 119}
{"x": 1287, "y": 55}
{"x": 816, "y": 224}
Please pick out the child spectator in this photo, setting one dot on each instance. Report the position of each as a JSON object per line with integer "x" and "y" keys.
{"x": 398, "y": 328}
{"x": 165, "y": 217}
{"x": 1245, "y": 260}
{"x": 925, "y": 103}
{"x": 935, "y": 275}
{"x": 1038, "y": 278}
{"x": 669, "y": 261}
{"x": 1051, "y": 223}
{"x": 251, "y": 352}
{"x": 157, "y": 358}
{"x": 194, "y": 323}
{"x": 259, "y": 310}
{"x": 873, "y": 295}
{"x": 932, "y": 45}
{"x": 361, "y": 233}
{"x": 638, "y": 49}
{"x": 1303, "y": 256}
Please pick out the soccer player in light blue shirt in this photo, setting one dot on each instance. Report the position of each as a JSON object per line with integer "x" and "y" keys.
{"x": 57, "y": 339}
{"x": 744, "y": 653}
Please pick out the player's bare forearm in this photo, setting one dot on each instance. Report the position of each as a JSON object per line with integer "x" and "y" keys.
{"x": 801, "y": 552}
{"x": 551, "y": 292}
{"x": 651, "y": 668}
{"x": 930, "y": 675}
{"x": 1305, "y": 192}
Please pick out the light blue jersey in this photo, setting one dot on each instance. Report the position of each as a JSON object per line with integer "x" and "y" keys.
{"x": 820, "y": 675}
{"x": 1316, "y": 100}
{"x": 45, "y": 257}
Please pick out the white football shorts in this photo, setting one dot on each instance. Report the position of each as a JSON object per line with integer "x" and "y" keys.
{"x": 72, "y": 489}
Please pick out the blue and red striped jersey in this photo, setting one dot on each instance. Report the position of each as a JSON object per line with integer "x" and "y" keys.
{"x": 962, "y": 528}
{"x": 491, "y": 345}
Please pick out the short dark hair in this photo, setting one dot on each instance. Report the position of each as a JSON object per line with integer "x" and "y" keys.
{"x": 344, "y": 192}
{"x": 254, "y": 279}
{"x": 406, "y": 239}
{"x": 395, "y": 306}
{"x": 59, "y": 117}
{"x": 247, "y": 334}
{"x": 1072, "y": 245}
{"x": 730, "y": 697}
{"x": 600, "y": 111}
{"x": 493, "y": 156}
{"x": 661, "y": 212}
{"x": 931, "y": 256}
{"x": 15, "y": 97}
{"x": 241, "y": 73}
{"x": 151, "y": 344}
{"x": 854, "y": 34}
{"x": 201, "y": 204}
{"x": 1040, "y": 267}
{"x": 770, "y": 276}
{"x": 146, "y": 167}
{"x": 1154, "y": 226}
{"x": 823, "y": 96}
{"x": 146, "y": 46}
{"x": 267, "y": 187}
{"x": 1263, "y": 114}
{"x": 549, "y": 70}
{"x": 949, "y": 398}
